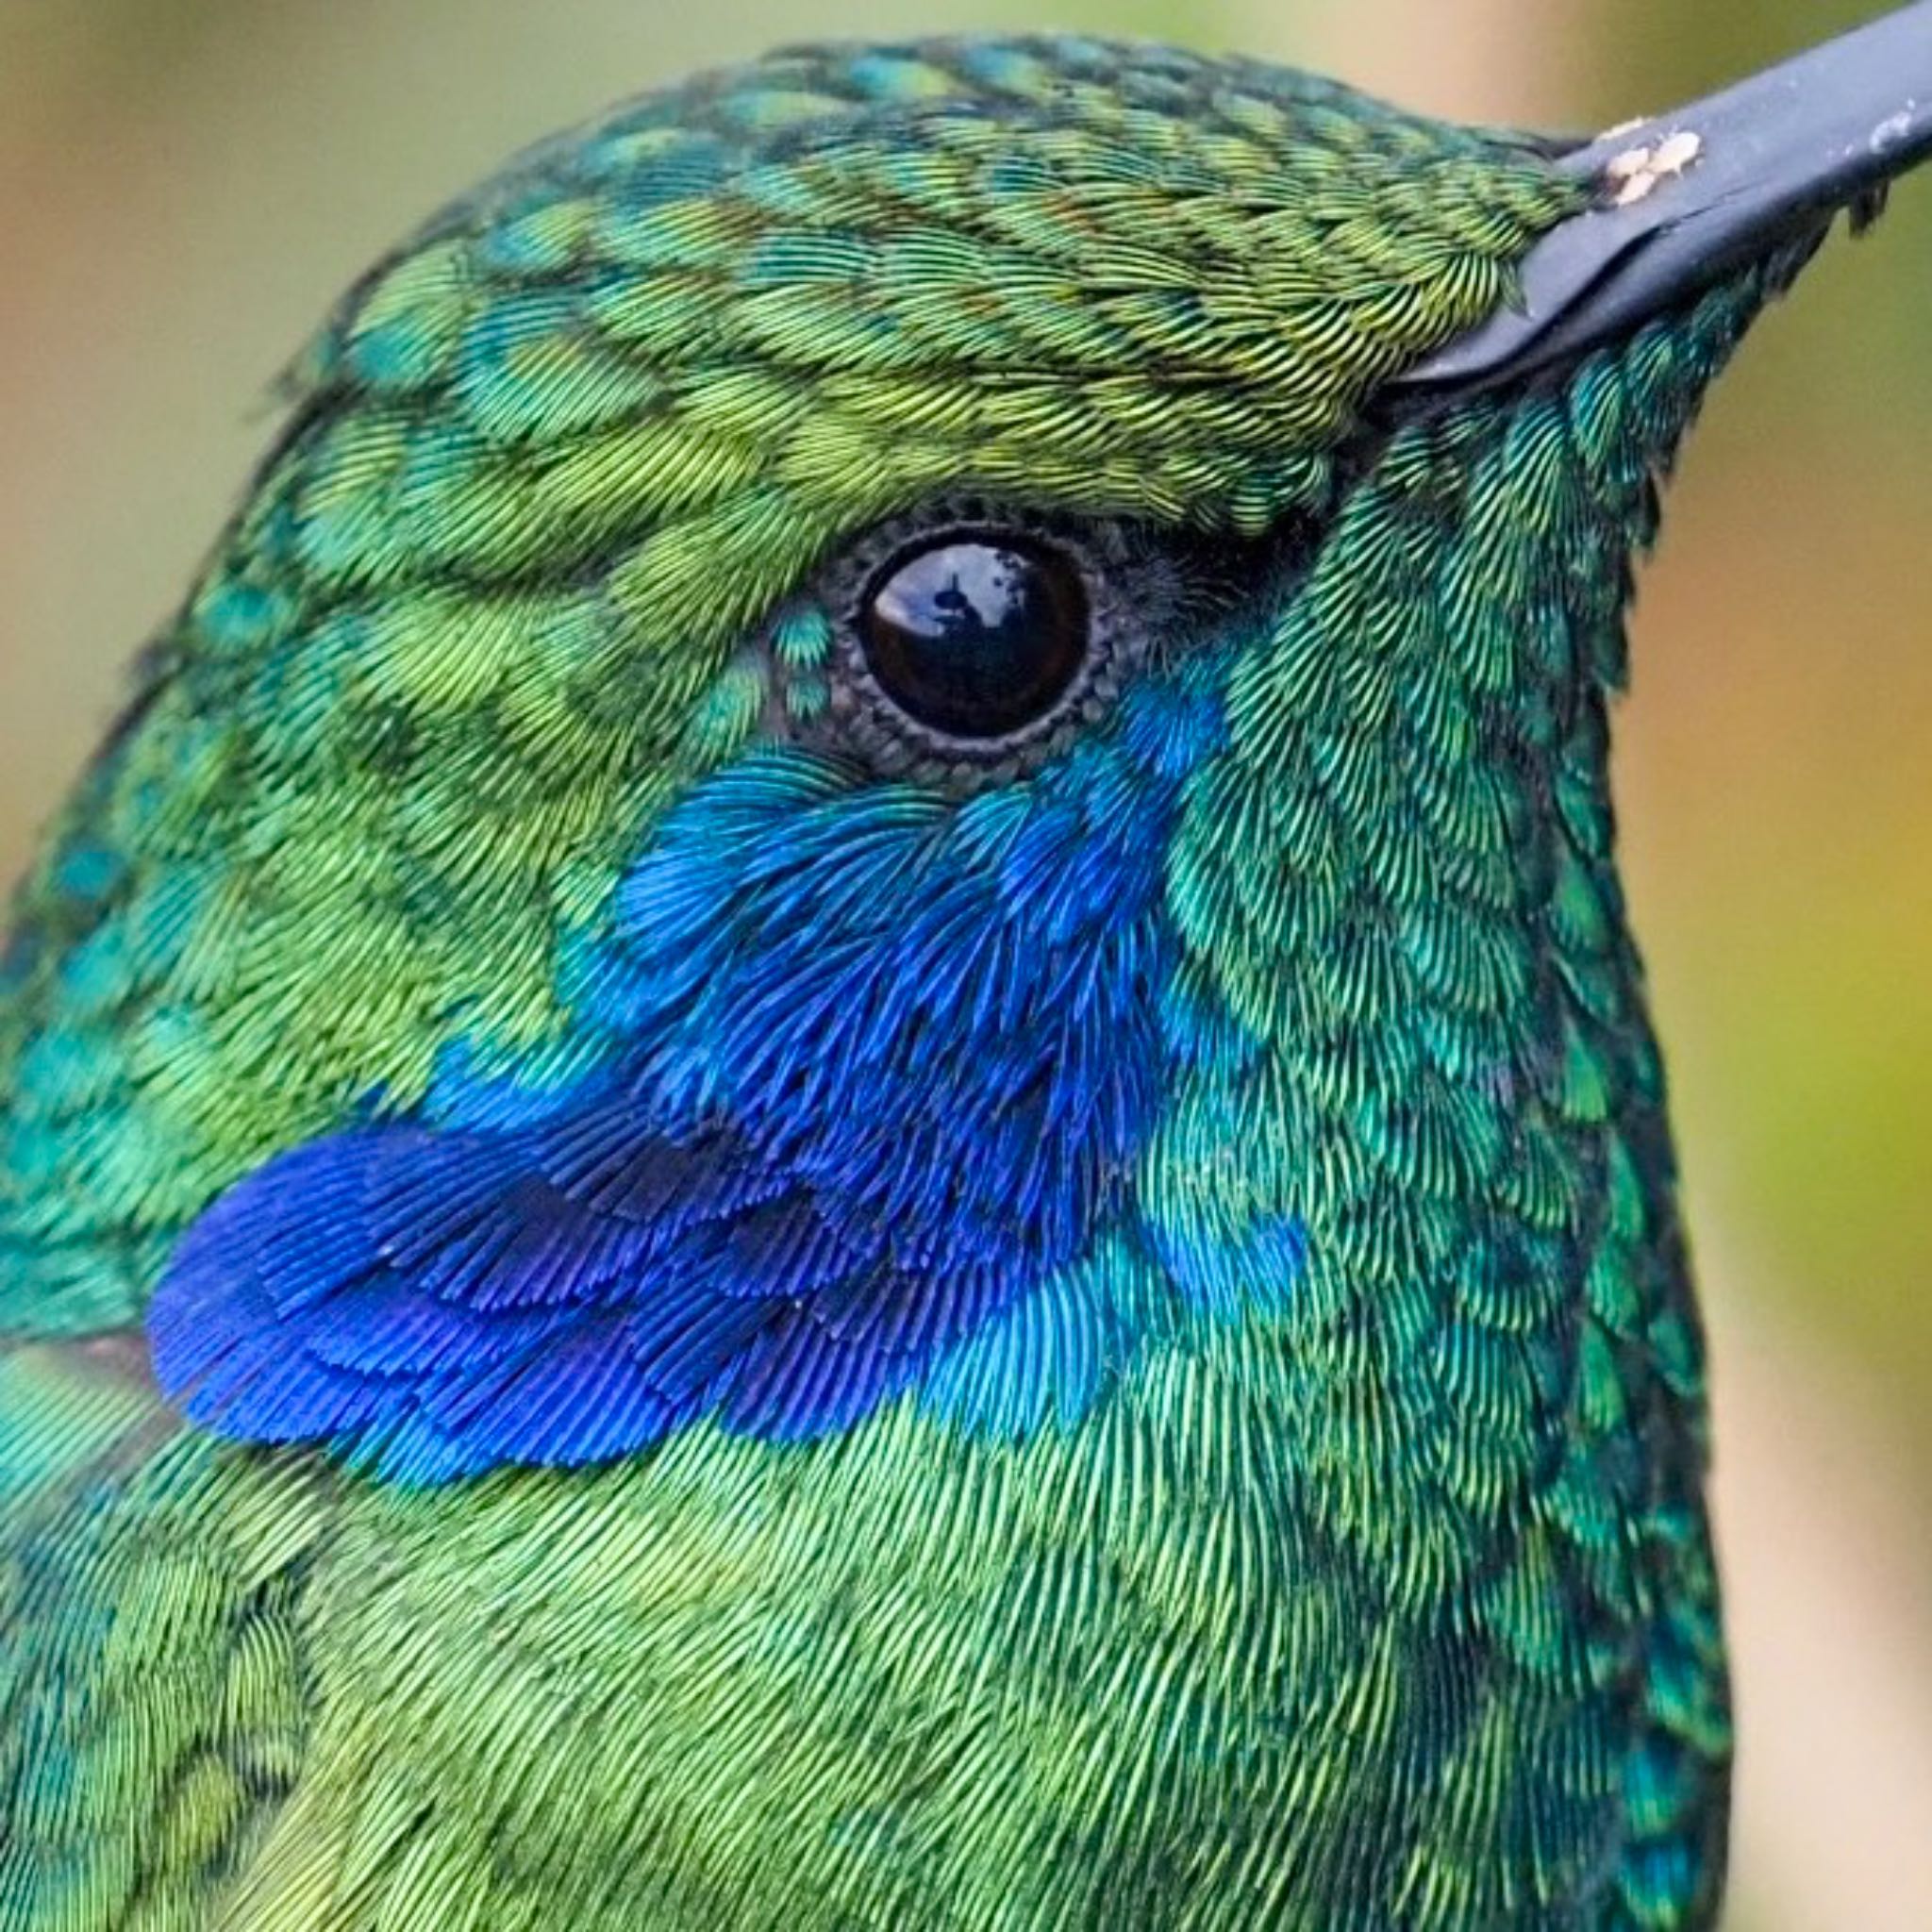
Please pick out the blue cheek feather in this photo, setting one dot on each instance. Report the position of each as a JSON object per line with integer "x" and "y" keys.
{"x": 863, "y": 1078}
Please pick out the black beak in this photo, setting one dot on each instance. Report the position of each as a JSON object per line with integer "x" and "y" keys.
{"x": 1688, "y": 196}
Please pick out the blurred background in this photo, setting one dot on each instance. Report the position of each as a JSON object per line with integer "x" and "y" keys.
{"x": 188, "y": 183}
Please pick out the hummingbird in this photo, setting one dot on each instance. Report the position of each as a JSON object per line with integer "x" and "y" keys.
{"x": 834, "y": 1111}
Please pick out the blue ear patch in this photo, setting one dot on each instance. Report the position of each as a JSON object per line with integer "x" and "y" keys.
{"x": 555, "y": 1296}
{"x": 865, "y": 1067}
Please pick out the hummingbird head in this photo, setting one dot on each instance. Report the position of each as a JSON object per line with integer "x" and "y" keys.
{"x": 916, "y": 725}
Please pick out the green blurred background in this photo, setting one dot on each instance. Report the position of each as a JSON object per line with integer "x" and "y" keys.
{"x": 186, "y": 183}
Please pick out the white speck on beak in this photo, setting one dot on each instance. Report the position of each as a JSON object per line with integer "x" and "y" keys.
{"x": 1639, "y": 171}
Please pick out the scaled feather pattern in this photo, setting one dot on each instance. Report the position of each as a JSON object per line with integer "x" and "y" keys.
{"x": 629, "y": 1298}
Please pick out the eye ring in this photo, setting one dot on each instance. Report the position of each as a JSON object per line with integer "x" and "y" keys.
{"x": 1078, "y": 570}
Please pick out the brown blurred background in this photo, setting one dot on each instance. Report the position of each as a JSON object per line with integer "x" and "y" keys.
{"x": 185, "y": 184}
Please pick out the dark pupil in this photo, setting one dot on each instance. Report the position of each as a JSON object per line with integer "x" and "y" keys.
{"x": 976, "y": 636}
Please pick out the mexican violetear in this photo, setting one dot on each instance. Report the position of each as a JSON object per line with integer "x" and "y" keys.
{"x": 833, "y": 1113}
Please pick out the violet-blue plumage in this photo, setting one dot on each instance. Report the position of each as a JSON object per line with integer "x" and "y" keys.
{"x": 867, "y": 1066}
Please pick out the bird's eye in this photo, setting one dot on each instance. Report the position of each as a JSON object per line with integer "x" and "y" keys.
{"x": 977, "y": 634}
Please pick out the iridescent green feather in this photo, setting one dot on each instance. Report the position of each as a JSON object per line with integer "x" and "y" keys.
{"x": 553, "y": 459}
{"x": 1393, "y": 1609}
